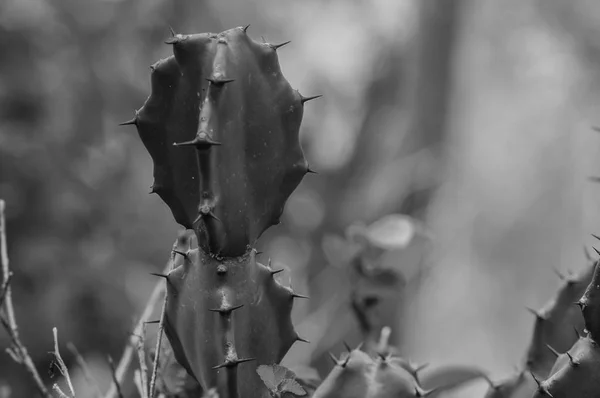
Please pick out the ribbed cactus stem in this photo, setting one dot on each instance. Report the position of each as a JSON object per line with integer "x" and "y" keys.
{"x": 222, "y": 128}
{"x": 576, "y": 373}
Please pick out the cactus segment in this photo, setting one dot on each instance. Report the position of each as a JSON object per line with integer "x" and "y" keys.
{"x": 222, "y": 313}
{"x": 554, "y": 323}
{"x": 577, "y": 372}
{"x": 222, "y": 127}
{"x": 357, "y": 375}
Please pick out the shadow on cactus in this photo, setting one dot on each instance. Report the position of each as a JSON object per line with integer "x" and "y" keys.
{"x": 222, "y": 127}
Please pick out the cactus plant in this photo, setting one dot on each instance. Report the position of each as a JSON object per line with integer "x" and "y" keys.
{"x": 575, "y": 372}
{"x": 556, "y": 328}
{"x": 222, "y": 127}
{"x": 357, "y": 375}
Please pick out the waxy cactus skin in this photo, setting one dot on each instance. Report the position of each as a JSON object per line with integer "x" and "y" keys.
{"x": 357, "y": 375}
{"x": 222, "y": 127}
{"x": 576, "y": 373}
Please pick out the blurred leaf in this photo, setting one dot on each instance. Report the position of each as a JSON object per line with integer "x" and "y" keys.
{"x": 393, "y": 231}
{"x": 338, "y": 251}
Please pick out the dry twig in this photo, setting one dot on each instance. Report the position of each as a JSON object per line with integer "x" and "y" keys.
{"x": 123, "y": 365}
{"x": 85, "y": 369}
{"x": 143, "y": 366}
{"x": 114, "y": 377}
{"x": 18, "y": 351}
{"x": 161, "y": 328}
{"x": 61, "y": 364}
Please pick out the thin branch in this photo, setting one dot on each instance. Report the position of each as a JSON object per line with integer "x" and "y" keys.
{"x": 125, "y": 361}
{"x": 161, "y": 328}
{"x": 116, "y": 382}
{"x": 18, "y": 351}
{"x": 137, "y": 380}
{"x": 4, "y": 288}
{"x": 143, "y": 366}
{"x": 85, "y": 369}
{"x": 60, "y": 392}
{"x": 61, "y": 364}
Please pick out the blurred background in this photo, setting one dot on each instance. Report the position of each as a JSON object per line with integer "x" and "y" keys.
{"x": 473, "y": 117}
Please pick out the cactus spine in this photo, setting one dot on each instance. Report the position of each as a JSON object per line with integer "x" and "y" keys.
{"x": 222, "y": 128}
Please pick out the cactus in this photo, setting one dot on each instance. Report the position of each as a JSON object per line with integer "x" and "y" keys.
{"x": 222, "y": 128}
{"x": 556, "y": 328}
{"x": 576, "y": 372}
{"x": 555, "y": 322}
{"x": 359, "y": 376}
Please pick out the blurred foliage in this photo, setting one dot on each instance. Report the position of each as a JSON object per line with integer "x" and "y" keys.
{"x": 472, "y": 116}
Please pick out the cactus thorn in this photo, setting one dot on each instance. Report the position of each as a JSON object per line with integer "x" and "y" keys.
{"x": 130, "y": 122}
{"x": 235, "y": 362}
{"x": 298, "y": 338}
{"x": 560, "y": 275}
{"x": 541, "y": 387}
{"x": 343, "y": 364}
{"x": 586, "y": 252}
{"x": 296, "y": 295}
{"x": 306, "y": 99}
{"x": 172, "y": 31}
{"x": 572, "y": 360}
{"x": 309, "y": 170}
{"x": 556, "y": 353}
{"x": 160, "y": 275}
{"x": 275, "y": 272}
{"x": 245, "y": 28}
{"x": 152, "y": 322}
{"x": 226, "y": 310}
{"x": 278, "y": 46}
{"x": 212, "y": 215}
{"x": 535, "y": 312}
{"x": 348, "y": 348}
{"x": 333, "y": 358}
{"x": 185, "y": 255}
{"x": 198, "y": 142}
{"x": 539, "y": 383}
{"x": 359, "y": 346}
{"x": 580, "y": 304}
{"x": 209, "y": 213}
{"x": 596, "y": 250}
